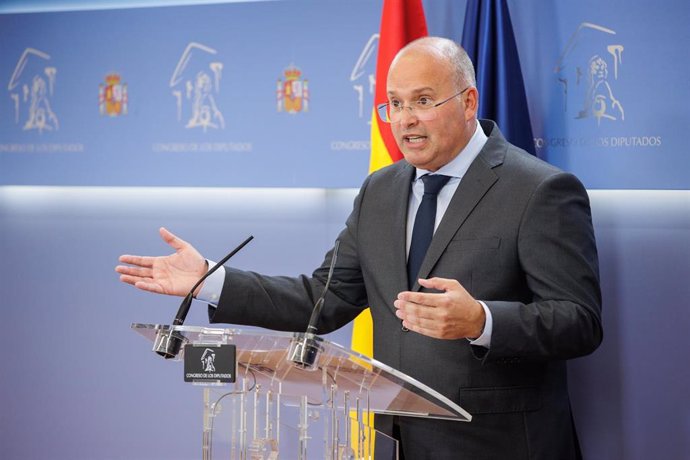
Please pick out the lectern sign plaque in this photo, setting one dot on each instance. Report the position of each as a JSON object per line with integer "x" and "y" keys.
{"x": 208, "y": 363}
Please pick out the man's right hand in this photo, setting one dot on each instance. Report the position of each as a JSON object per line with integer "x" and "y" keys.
{"x": 174, "y": 274}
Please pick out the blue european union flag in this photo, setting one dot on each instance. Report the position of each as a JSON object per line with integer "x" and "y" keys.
{"x": 488, "y": 38}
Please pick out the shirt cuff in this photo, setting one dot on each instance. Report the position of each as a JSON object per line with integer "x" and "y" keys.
{"x": 213, "y": 286}
{"x": 484, "y": 340}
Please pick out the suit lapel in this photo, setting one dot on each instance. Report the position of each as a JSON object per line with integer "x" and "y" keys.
{"x": 479, "y": 178}
{"x": 400, "y": 199}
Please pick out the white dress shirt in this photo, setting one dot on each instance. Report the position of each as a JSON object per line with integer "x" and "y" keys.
{"x": 456, "y": 170}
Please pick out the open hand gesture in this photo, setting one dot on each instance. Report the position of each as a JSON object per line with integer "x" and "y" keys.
{"x": 174, "y": 274}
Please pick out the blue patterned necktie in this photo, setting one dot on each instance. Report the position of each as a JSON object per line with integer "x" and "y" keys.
{"x": 423, "y": 229}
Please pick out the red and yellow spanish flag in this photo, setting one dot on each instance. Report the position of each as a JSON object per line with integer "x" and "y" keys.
{"x": 402, "y": 21}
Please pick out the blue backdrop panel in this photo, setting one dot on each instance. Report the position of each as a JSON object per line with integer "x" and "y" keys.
{"x": 630, "y": 397}
{"x": 607, "y": 88}
{"x": 78, "y": 384}
{"x": 204, "y": 85}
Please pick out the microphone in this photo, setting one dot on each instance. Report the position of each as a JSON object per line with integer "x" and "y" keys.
{"x": 304, "y": 348}
{"x": 168, "y": 343}
{"x": 318, "y": 306}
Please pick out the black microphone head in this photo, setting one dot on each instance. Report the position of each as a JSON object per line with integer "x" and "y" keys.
{"x": 168, "y": 343}
{"x": 304, "y": 351}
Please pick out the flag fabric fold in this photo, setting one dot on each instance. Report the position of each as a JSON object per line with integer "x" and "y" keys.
{"x": 488, "y": 38}
{"x": 402, "y": 21}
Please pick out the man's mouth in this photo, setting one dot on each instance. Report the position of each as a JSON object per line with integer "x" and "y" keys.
{"x": 414, "y": 139}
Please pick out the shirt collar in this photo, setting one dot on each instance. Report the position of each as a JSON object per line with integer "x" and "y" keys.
{"x": 459, "y": 165}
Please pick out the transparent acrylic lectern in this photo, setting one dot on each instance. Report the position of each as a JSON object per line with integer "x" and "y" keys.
{"x": 283, "y": 408}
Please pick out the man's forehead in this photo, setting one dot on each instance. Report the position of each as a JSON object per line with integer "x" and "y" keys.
{"x": 417, "y": 72}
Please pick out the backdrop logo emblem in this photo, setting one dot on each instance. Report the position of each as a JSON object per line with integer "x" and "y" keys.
{"x": 112, "y": 96}
{"x": 363, "y": 75}
{"x": 587, "y": 70}
{"x": 292, "y": 94}
{"x": 195, "y": 83}
{"x": 31, "y": 87}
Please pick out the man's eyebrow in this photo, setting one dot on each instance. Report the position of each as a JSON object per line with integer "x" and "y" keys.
{"x": 425, "y": 89}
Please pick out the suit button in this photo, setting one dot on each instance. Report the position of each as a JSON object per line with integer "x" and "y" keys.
{"x": 404, "y": 329}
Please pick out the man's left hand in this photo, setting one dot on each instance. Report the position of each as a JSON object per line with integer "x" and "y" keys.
{"x": 450, "y": 314}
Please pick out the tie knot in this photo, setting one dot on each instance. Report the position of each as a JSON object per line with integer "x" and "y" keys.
{"x": 434, "y": 183}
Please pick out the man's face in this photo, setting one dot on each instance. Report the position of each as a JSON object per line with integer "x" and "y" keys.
{"x": 430, "y": 144}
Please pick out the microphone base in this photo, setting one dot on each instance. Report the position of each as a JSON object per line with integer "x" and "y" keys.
{"x": 168, "y": 343}
{"x": 304, "y": 351}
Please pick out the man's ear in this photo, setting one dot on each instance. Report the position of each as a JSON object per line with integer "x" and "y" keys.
{"x": 471, "y": 100}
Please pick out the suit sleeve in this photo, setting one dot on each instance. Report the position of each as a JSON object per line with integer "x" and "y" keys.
{"x": 286, "y": 303}
{"x": 558, "y": 255}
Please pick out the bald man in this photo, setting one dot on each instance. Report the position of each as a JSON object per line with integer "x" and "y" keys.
{"x": 506, "y": 292}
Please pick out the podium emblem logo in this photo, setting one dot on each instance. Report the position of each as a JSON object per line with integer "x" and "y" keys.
{"x": 210, "y": 363}
{"x": 208, "y": 358}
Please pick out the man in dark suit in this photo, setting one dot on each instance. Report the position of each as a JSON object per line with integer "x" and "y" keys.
{"x": 506, "y": 292}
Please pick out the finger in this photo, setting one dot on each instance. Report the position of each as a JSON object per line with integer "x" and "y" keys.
{"x": 413, "y": 311}
{"x": 421, "y": 329}
{"x": 442, "y": 284}
{"x": 170, "y": 238}
{"x": 428, "y": 299}
{"x": 134, "y": 271}
{"x": 420, "y": 324}
{"x": 433, "y": 326}
{"x": 150, "y": 287}
{"x": 129, "y": 279}
{"x": 141, "y": 261}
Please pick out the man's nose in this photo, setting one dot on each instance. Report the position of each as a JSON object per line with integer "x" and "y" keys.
{"x": 408, "y": 116}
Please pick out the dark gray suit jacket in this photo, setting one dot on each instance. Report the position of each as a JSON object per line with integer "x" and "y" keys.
{"x": 518, "y": 236}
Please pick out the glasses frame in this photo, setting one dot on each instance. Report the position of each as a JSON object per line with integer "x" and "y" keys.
{"x": 382, "y": 109}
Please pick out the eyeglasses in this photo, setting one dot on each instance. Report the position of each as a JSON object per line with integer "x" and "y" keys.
{"x": 423, "y": 108}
